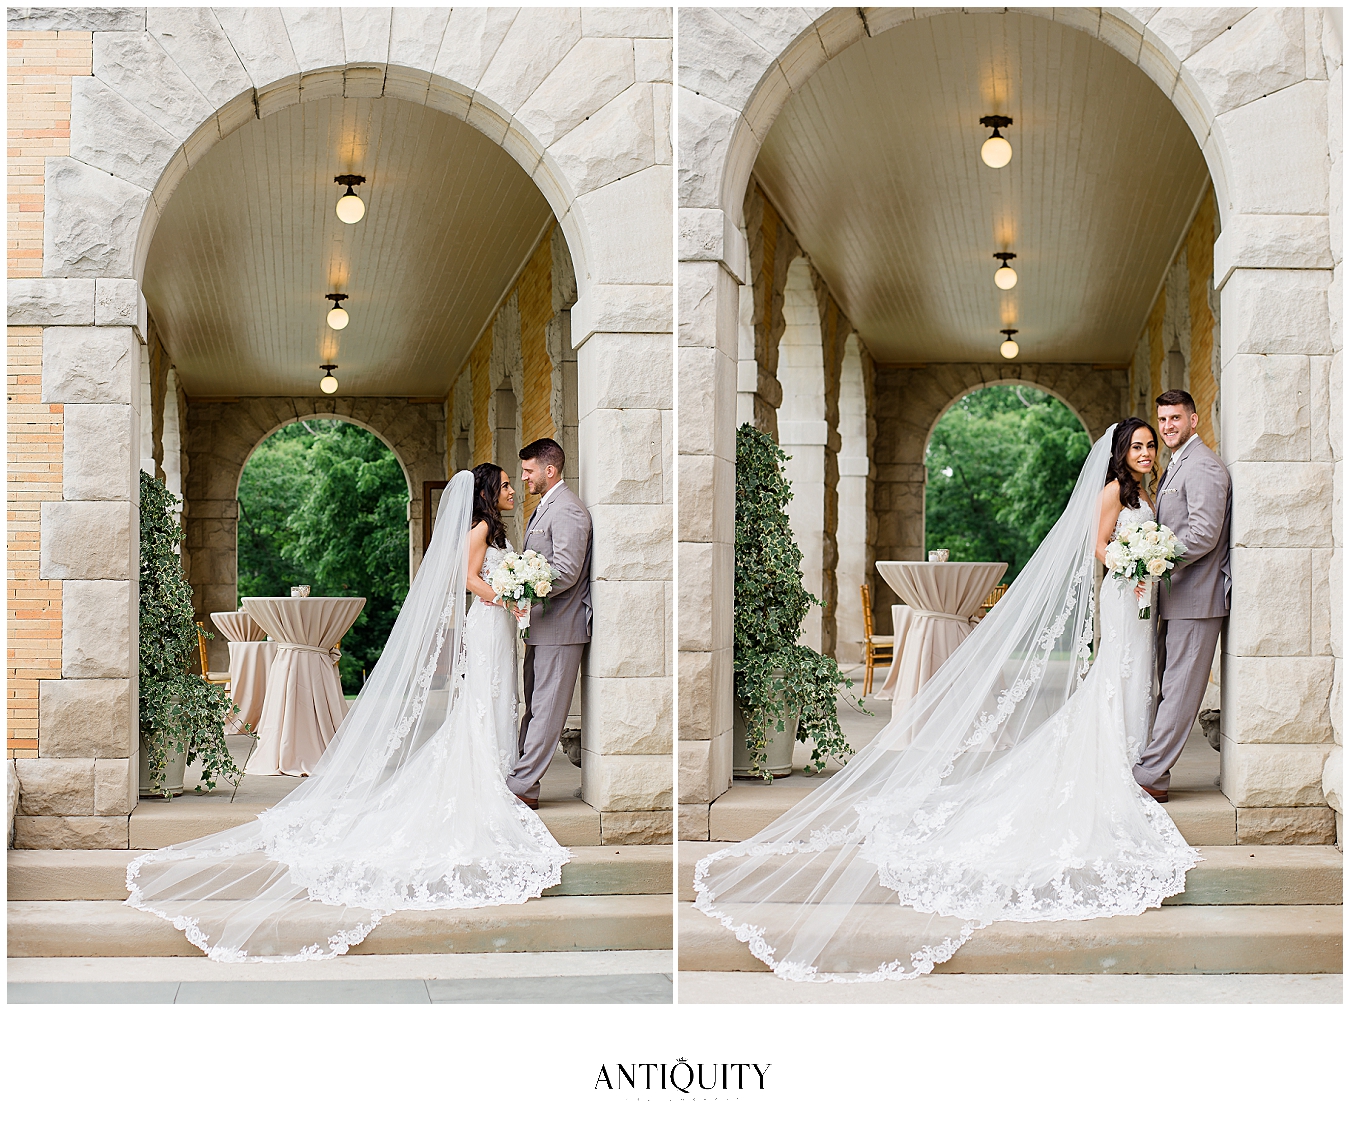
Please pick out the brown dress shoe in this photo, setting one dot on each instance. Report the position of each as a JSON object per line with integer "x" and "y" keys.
{"x": 533, "y": 803}
{"x": 1158, "y": 795}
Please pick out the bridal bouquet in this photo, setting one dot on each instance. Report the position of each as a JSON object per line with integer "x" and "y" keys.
{"x": 1144, "y": 553}
{"x": 525, "y": 577}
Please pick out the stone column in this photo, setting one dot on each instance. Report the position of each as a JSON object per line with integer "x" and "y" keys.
{"x": 855, "y": 545}
{"x": 712, "y": 275}
{"x": 1278, "y": 662}
{"x": 82, "y": 786}
{"x": 625, "y": 408}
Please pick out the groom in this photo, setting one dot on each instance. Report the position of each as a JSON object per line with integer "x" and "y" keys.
{"x": 560, "y": 531}
{"x": 1195, "y": 500}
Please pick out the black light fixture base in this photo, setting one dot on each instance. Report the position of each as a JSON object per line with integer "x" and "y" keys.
{"x": 335, "y": 298}
{"x": 996, "y": 121}
{"x": 1004, "y": 256}
{"x": 350, "y": 181}
{"x": 1009, "y": 333}
{"x": 328, "y": 369}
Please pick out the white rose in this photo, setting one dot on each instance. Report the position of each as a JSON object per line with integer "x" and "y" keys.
{"x": 542, "y": 587}
{"x": 1157, "y": 566}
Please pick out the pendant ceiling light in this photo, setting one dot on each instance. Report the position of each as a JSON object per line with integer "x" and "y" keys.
{"x": 997, "y": 151}
{"x": 1005, "y": 277}
{"x": 1009, "y": 347}
{"x": 350, "y": 208}
{"x": 329, "y": 382}
{"x": 337, "y": 316}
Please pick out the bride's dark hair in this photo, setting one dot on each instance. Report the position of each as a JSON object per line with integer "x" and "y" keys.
{"x": 487, "y": 487}
{"x": 1118, "y": 468}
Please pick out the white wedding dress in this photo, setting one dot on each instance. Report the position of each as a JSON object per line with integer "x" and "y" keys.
{"x": 1002, "y": 793}
{"x": 408, "y": 807}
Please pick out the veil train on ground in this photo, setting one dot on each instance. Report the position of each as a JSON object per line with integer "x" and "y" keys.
{"x": 993, "y": 796}
{"x": 398, "y": 814}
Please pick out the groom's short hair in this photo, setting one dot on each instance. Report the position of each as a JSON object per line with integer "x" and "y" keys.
{"x": 1171, "y": 397}
{"x": 547, "y": 452}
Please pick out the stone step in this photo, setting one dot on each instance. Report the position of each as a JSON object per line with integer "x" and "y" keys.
{"x": 100, "y": 875}
{"x": 1229, "y": 875}
{"x": 158, "y": 822}
{"x": 1204, "y": 816}
{"x": 1174, "y": 939}
{"x": 112, "y": 929}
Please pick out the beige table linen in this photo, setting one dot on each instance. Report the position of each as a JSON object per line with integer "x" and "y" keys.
{"x": 238, "y": 627}
{"x": 942, "y": 597}
{"x": 251, "y": 654}
{"x": 902, "y": 617}
{"x": 304, "y": 705}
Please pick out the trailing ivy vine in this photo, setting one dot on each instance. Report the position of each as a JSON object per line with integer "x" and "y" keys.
{"x": 179, "y": 709}
{"x": 770, "y": 606}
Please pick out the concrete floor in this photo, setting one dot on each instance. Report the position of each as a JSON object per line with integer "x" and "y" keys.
{"x": 629, "y": 977}
{"x": 1020, "y": 989}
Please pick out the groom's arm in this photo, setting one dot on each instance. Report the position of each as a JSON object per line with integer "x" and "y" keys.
{"x": 1205, "y": 505}
{"x": 569, "y": 549}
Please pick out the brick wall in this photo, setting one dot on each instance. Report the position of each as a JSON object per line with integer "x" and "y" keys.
{"x": 40, "y": 65}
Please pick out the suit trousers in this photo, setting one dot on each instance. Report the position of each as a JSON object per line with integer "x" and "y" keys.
{"x": 550, "y": 679}
{"x": 1185, "y": 654}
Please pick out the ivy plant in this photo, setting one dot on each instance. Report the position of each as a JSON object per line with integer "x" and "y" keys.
{"x": 179, "y": 709}
{"x": 774, "y": 674}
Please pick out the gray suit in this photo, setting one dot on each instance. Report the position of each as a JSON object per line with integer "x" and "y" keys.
{"x": 559, "y": 530}
{"x": 1195, "y": 501}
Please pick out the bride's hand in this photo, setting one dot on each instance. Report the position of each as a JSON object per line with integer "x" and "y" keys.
{"x": 1140, "y": 590}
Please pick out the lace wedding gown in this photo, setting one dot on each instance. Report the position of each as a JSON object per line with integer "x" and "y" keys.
{"x": 408, "y": 808}
{"x": 1005, "y": 795}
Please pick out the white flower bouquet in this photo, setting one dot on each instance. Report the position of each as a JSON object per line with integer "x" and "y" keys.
{"x": 526, "y": 578}
{"x": 1144, "y": 553}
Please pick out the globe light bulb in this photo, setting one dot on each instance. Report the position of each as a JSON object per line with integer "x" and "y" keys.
{"x": 338, "y": 318}
{"x": 351, "y": 209}
{"x": 1008, "y": 349}
{"x": 1005, "y": 278}
{"x": 329, "y": 384}
{"x": 997, "y": 151}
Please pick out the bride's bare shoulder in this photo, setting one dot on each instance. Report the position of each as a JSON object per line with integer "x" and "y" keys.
{"x": 1111, "y": 494}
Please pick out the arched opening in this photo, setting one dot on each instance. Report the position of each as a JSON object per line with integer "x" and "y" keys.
{"x": 890, "y": 220}
{"x": 324, "y": 502}
{"x": 458, "y": 287}
{"x": 1001, "y": 463}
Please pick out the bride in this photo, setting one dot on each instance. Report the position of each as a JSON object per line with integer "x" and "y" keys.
{"x": 1002, "y": 792}
{"x": 408, "y": 807}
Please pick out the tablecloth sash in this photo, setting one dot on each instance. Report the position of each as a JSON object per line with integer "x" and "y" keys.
{"x": 332, "y": 653}
{"x": 941, "y": 615}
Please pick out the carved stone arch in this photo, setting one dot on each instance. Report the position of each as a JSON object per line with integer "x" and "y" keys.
{"x": 222, "y": 435}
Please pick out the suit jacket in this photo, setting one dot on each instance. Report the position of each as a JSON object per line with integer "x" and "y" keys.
{"x": 559, "y": 530}
{"x": 1195, "y": 500}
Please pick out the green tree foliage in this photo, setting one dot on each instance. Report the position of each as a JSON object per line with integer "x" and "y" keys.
{"x": 324, "y": 503}
{"x": 770, "y": 606}
{"x": 1002, "y": 463}
{"x": 179, "y": 710}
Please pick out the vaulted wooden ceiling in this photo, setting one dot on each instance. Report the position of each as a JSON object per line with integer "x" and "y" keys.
{"x": 875, "y": 165}
{"x": 249, "y": 245}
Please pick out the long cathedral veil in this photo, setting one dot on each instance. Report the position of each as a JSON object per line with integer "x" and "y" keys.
{"x": 944, "y": 822}
{"x": 315, "y": 873}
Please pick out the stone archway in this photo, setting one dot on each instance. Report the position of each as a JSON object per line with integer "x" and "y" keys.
{"x": 548, "y": 86}
{"x": 1254, "y": 94}
{"x": 222, "y": 435}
